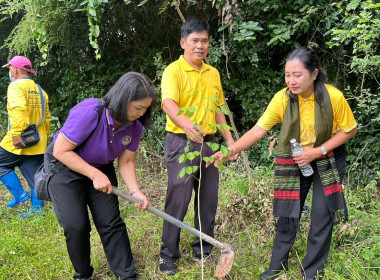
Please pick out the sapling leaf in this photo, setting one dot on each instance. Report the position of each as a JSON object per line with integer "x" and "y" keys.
{"x": 187, "y": 148}
{"x": 189, "y": 169}
{"x": 210, "y": 159}
{"x": 182, "y": 158}
{"x": 192, "y": 109}
{"x": 181, "y": 173}
{"x": 192, "y": 155}
{"x": 226, "y": 126}
{"x": 220, "y": 165}
{"x": 213, "y": 146}
{"x": 181, "y": 111}
{"x": 224, "y": 150}
{"x": 225, "y": 110}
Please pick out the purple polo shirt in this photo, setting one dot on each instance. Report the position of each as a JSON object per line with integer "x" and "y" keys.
{"x": 106, "y": 143}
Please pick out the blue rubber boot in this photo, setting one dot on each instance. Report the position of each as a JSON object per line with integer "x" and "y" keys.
{"x": 12, "y": 182}
{"x": 37, "y": 207}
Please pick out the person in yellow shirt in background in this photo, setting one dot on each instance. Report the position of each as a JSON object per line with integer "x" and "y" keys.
{"x": 24, "y": 106}
{"x": 318, "y": 116}
{"x": 190, "y": 83}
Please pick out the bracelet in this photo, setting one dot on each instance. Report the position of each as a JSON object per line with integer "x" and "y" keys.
{"x": 134, "y": 191}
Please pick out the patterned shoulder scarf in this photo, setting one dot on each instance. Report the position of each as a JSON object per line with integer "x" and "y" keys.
{"x": 287, "y": 173}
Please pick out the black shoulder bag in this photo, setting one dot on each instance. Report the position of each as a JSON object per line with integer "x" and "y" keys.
{"x": 30, "y": 136}
{"x": 44, "y": 175}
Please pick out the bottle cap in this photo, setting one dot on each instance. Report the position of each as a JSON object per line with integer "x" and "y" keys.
{"x": 293, "y": 141}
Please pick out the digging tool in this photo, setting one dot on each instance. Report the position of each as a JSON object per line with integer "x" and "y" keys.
{"x": 227, "y": 254}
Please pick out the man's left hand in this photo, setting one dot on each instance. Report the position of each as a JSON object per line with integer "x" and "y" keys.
{"x": 17, "y": 142}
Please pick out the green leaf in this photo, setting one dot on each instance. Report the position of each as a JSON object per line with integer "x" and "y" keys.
{"x": 220, "y": 165}
{"x": 92, "y": 12}
{"x": 189, "y": 169}
{"x": 225, "y": 110}
{"x": 223, "y": 27}
{"x": 210, "y": 159}
{"x": 192, "y": 109}
{"x": 195, "y": 168}
{"x": 182, "y": 173}
{"x": 213, "y": 126}
{"x": 181, "y": 111}
{"x": 226, "y": 126}
{"x": 193, "y": 155}
{"x": 187, "y": 148}
{"x": 96, "y": 31}
{"x": 94, "y": 44}
{"x": 182, "y": 158}
{"x": 213, "y": 146}
{"x": 224, "y": 150}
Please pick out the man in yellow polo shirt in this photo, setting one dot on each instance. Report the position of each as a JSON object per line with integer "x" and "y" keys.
{"x": 27, "y": 104}
{"x": 191, "y": 84}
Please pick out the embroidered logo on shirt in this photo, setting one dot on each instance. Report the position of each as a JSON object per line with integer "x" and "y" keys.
{"x": 126, "y": 140}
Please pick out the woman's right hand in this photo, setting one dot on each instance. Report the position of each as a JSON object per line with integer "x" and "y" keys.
{"x": 101, "y": 182}
{"x": 217, "y": 156}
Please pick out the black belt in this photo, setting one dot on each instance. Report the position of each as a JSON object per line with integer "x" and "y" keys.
{"x": 207, "y": 138}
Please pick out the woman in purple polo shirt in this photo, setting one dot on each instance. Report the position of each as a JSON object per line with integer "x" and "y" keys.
{"x": 87, "y": 146}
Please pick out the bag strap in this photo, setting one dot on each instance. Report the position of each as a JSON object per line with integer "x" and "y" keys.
{"x": 100, "y": 113}
{"x": 42, "y": 103}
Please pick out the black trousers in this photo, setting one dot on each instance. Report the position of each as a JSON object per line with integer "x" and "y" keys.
{"x": 179, "y": 193}
{"x": 320, "y": 232}
{"x": 72, "y": 194}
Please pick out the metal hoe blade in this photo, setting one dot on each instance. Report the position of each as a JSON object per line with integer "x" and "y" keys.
{"x": 227, "y": 256}
{"x": 225, "y": 262}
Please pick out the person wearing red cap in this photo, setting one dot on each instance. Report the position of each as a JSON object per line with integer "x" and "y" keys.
{"x": 24, "y": 106}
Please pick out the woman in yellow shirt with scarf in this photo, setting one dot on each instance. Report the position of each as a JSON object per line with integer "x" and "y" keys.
{"x": 318, "y": 116}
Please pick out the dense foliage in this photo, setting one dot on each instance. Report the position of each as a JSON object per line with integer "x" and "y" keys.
{"x": 80, "y": 48}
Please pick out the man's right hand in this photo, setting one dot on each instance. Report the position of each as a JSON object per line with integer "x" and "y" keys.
{"x": 17, "y": 142}
{"x": 195, "y": 133}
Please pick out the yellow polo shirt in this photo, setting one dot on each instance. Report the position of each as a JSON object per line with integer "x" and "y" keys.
{"x": 24, "y": 107}
{"x": 343, "y": 118}
{"x": 189, "y": 87}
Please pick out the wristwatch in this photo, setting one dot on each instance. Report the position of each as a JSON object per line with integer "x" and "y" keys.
{"x": 324, "y": 151}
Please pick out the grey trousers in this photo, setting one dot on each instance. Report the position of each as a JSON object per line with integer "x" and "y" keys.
{"x": 179, "y": 193}
{"x": 320, "y": 232}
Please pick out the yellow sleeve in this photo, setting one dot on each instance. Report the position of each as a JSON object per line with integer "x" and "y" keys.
{"x": 17, "y": 109}
{"x": 275, "y": 111}
{"x": 221, "y": 100}
{"x": 343, "y": 116}
{"x": 170, "y": 87}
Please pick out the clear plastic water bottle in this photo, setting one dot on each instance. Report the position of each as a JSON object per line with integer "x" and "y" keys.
{"x": 306, "y": 170}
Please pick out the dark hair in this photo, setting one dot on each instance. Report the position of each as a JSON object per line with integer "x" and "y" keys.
{"x": 132, "y": 86}
{"x": 194, "y": 25}
{"x": 309, "y": 59}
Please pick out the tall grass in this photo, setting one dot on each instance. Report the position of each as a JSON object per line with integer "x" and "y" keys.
{"x": 35, "y": 248}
